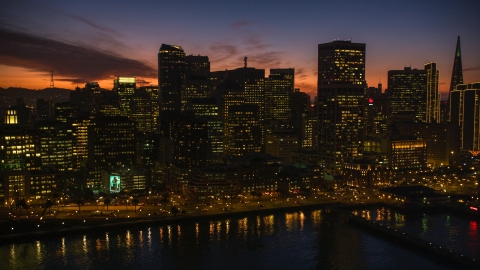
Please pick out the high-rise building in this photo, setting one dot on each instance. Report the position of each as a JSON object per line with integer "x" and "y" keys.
{"x": 407, "y": 95}
{"x": 111, "y": 145}
{"x": 54, "y": 144}
{"x": 197, "y": 83}
{"x": 88, "y": 98}
{"x": 341, "y": 97}
{"x": 144, "y": 109}
{"x": 244, "y": 133}
{"x": 171, "y": 77}
{"x": 433, "y": 96}
{"x": 125, "y": 87}
{"x": 465, "y": 117}
{"x": 208, "y": 110}
{"x": 457, "y": 71}
{"x": 278, "y": 90}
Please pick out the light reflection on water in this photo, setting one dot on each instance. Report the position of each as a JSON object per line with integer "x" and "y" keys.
{"x": 443, "y": 229}
{"x": 294, "y": 240}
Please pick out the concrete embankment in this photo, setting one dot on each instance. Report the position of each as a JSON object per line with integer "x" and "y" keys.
{"x": 436, "y": 252}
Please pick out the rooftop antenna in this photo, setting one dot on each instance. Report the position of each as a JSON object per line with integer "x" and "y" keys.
{"x": 51, "y": 79}
{"x": 245, "y": 62}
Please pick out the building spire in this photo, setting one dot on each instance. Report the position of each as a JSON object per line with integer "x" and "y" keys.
{"x": 457, "y": 72}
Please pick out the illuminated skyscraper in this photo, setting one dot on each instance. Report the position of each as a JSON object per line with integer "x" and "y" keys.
{"x": 433, "y": 96}
{"x": 407, "y": 98}
{"x": 341, "y": 94}
{"x": 278, "y": 90}
{"x": 457, "y": 71}
{"x": 125, "y": 88}
{"x": 111, "y": 145}
{"x": 465, "y": 115}
{"x": 171, "y": 77}
{"x": 244, "y": 133}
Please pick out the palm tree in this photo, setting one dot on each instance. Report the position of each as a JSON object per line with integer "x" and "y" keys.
{"x": 55, "y": 196}
{"x": 174, "y": 211}
{"x": 135, "y": 202}
{"x": 165, "y": 199}
{"x": 107, "y": 201}
{"x": 79, "y": 202}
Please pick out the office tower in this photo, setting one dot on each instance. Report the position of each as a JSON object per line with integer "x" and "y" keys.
{"x": 308, "y": 132}
{"x": 191, "y": 144}
{"x": 87, "y": 98}
{"x": 144, "y": 109}
{"x": 457, "y": 71}
{"x": 407, "y": 154}
{"x": 407, "y": 95}
{"x": 375, "y": 111}
{"x": 435, "y": 134}
{"x": 54, "y": 144}
{"x": 244, "y": 133}
{"x": 465, "y": 117}
{"x": 252, "y": 84}
{"x": 66, "y": 111}
{"x": 207, "y": 110}
{"x": 125, "y": 88}
{"x": 282, "y": 144}
{"x": 80, "y": 141}
{"x": 278, "y": 90}
{"x": 197, "y": 82}
{"x": 17, "y": 147}
{"x": 44, "y": 109}
{"x": 341, "y": 94}
{"x": 109, "y": 104}
{"x": 24, "y": 113}
{"x": 433, "y": 96}
{"x": 241, "y": 86}
{"x": 171, "y": 77}
{"x": 111, "y": 145}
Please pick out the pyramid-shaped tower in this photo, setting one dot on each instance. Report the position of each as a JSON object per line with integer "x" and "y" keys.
{"x": 457, "y": 72}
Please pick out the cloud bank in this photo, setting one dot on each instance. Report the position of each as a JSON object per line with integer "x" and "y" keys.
{"x": 71, "y": 61}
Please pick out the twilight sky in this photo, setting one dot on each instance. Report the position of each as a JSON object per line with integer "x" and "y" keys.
{"x": 100, "y": 40}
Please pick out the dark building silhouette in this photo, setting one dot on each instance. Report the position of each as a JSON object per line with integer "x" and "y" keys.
{"x": 171, "y": 77}
{"x": 341, "y": 97}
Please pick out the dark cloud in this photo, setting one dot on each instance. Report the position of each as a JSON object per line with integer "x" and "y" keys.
{"x": 269, "y": 59}
{"x": 65, "y": 59}
{"x": 472, "y": 68}
{"x": 222, "y": 52}
{"x": 94, "y": 25}
{"x": 300, "y": 74}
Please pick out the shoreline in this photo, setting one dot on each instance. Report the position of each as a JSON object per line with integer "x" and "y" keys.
{"x": 73, "y": 227}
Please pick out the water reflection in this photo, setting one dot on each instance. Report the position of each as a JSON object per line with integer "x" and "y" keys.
{"x": 445, "y": 230}
{"x": 295, "y": 240}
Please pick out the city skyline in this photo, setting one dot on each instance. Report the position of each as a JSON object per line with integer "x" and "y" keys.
{"x": 84, "y": 42}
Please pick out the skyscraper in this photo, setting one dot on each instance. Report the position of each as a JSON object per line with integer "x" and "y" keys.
{"x": 278, "y": 90}
{"x": 125, "y": 88}
{"x": 341, "y": 93}
{"x": 407, "y": 95}
{"x": 171, "y": 77}
{"x": 433, "y": 96}
{"x": 197, "y": 84}
{"x": 457, "y": 72}
{"x": 465, "y": 116}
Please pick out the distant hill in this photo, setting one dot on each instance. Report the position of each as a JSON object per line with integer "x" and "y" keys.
{"x": 10, "y": 95}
